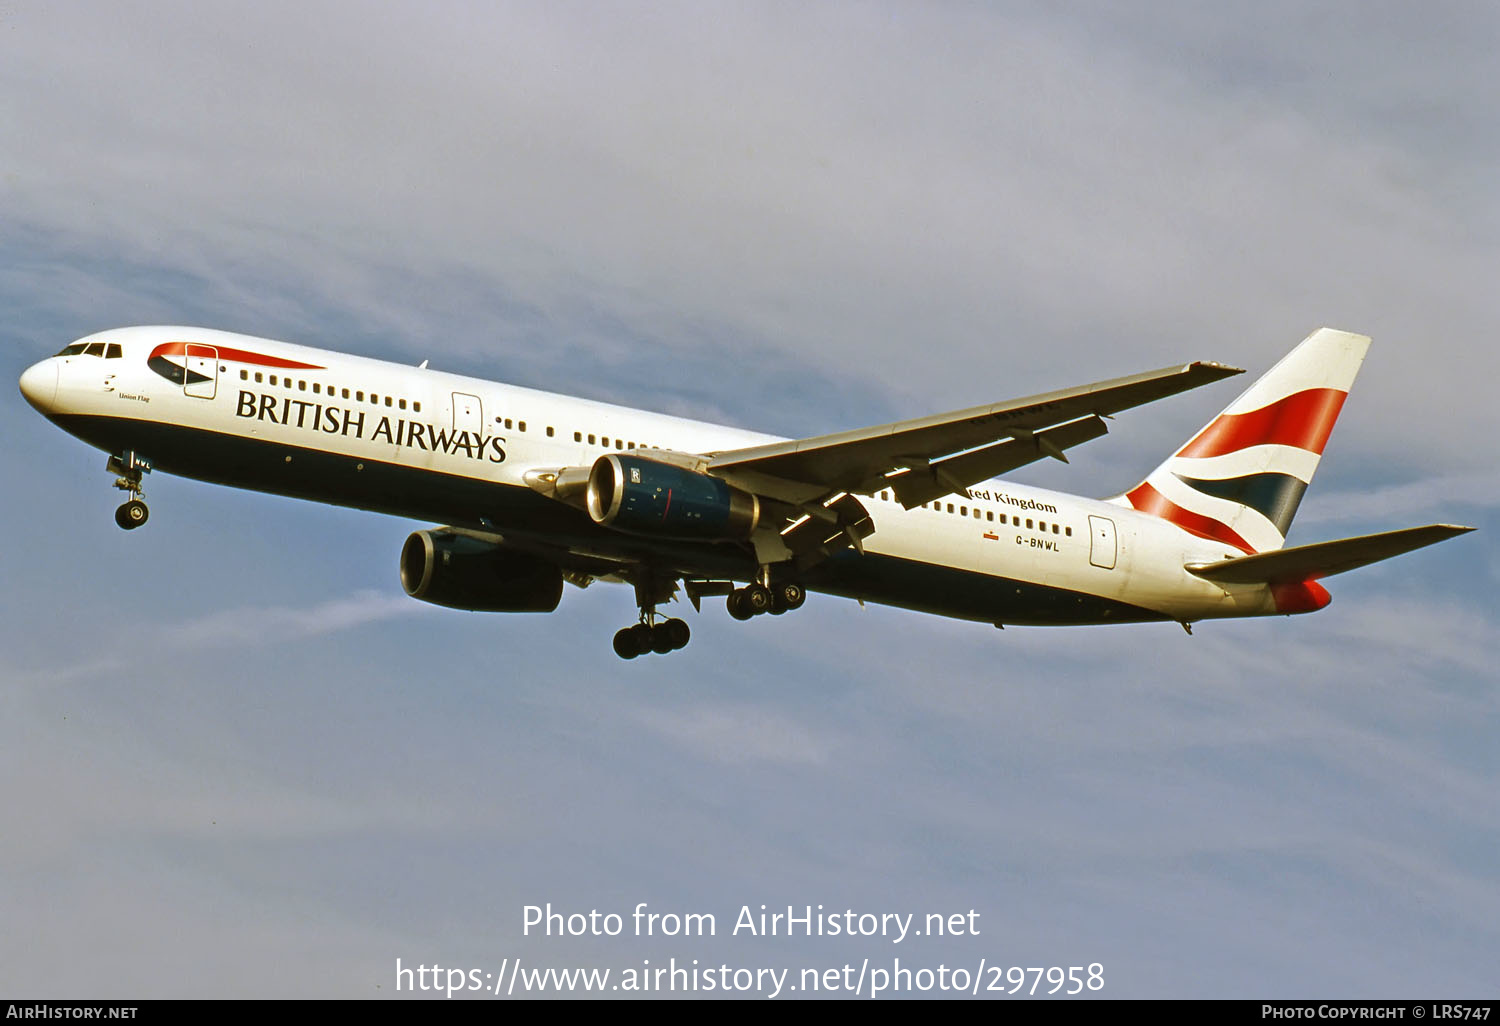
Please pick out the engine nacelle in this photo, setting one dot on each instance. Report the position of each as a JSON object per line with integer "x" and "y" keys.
{"x": 630, "y": 493}
{"x": 460, "y": 572}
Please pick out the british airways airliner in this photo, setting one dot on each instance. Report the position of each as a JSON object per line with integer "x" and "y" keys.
{"x": 536, "y": 489}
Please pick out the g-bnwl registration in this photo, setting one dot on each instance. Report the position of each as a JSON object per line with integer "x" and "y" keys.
{"x": 537, "y": 489}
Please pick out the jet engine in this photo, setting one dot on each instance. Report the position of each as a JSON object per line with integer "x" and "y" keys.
{"x": 642, "y": 496}
{"x": 455, "y": 570}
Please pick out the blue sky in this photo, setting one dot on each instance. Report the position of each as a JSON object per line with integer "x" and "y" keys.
{"x": 238, "y": 761}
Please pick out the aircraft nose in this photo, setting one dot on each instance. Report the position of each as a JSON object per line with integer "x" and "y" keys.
{"x": 39, "y": 385}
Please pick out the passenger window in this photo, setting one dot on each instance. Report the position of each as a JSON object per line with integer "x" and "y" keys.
{"x": 273, "y": 379}
{"x": 990, "y": 516}
{"x": 549, "y": 430}
{"x": 374, "y": 399}
{"x": 244, "y": 374}
{"x": 591, "y": 440}
{"x": 258, "y": 377}
{"x": 950, "y": 507}
{"x": 1028, "y": 523}
{"x": 317, "y": 388}
{"x": 302, "y": 386}
{"x": 1042, "y": 526}
{"x": 358, "y": 396}
{"x": 507, "y": 423}
{"x": 114, "y": 352}
{"x": 416, "y": 407}
{"x": 346, "y": 393}
{"x": 522, "y": 425}
{"x": 976, "y": 512}
{"x": 388, "y": 400}
{"x": 963, "y": 511}
{"x": 401, "y": 404}
{"x": 577, "y": 436}
{"x": 1054, "y": 528}
{"x": 1070, "y": 532}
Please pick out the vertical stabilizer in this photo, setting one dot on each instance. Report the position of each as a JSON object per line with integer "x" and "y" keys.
{"x": 1240, "y": 479}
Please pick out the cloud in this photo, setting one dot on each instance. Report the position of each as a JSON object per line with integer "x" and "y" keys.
{"x": 1444, "y": 496}
{"x": 280, "y": 623}
{"x": 1007, "y": 197}
{"x": 741, "y": 733}
{"x": 800, "y": 219}
{"x": 246, "y": 626}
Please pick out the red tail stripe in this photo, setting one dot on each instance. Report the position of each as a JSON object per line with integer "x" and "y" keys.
{"x": 237, "y": 355}
{"x": 1148, "y": 500}
{"x": 1300, "y": 596}
{"x": 1303, "y": 421}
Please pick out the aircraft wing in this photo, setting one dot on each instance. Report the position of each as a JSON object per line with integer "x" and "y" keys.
{"x": 928, "y": 457}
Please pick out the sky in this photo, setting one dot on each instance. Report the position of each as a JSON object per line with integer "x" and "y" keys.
{"x": 237, "y": 761}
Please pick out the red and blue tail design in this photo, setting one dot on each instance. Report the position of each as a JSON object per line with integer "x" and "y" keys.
{"x": 1240, "y": 479}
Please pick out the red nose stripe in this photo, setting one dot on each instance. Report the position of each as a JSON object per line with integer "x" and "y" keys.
{"x": 237, "y": 355}
{"x": 1148, "y": 500}
{"x": 1303, "y": 421}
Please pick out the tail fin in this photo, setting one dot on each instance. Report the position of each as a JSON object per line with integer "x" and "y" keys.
{"x": 1240, "y": 479}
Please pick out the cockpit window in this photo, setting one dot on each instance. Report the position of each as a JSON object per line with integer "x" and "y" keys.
{"x": 74, "y": 349}
{"x": 94, "y": 349}
{"x": 114, "y": 352}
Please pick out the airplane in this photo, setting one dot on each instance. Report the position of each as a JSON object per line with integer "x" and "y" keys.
{"x": 535, "y": 489}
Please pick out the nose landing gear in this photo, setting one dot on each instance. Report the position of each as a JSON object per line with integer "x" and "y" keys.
{"x": 129, "y": 467}
{"x": 132, "y": 514}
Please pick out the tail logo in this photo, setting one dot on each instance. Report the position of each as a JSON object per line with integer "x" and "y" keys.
{"x": 1240, "y": 480}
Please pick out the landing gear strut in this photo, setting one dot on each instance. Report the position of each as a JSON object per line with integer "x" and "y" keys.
{"x": 651, "y": 634}
{"x": 129, "y": 467}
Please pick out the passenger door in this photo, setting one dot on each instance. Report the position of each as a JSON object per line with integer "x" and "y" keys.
{"x": 1102, "y": 545}
{"x": 201, "y": 364}
{"x": 468, "y": 414}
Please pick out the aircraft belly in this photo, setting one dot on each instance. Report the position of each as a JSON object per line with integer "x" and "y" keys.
{"x": 956, "y": 569}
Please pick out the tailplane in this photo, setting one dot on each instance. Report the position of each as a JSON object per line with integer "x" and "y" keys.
{"x": 1324, "y": 559}
{"x": 1239, "y": 480}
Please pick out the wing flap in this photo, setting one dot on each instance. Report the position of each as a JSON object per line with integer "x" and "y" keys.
{"x": 919, "y": 484}
{"x": 1324, "y": 559}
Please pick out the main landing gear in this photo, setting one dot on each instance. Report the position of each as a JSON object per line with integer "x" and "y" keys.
{"x": 129, "y": 468}
{"x": 651, "y": 634}
{"x": 770, "y": 594}
{"x": 661, "y": 638}
{"x": 758, "y": 598}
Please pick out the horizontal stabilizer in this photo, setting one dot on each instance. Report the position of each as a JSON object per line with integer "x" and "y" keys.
{"x": 1323, "y": 559}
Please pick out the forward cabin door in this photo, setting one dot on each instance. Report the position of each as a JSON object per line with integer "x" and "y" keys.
{"x": 1102, "y": 546}
{"x": 201, "y": 364}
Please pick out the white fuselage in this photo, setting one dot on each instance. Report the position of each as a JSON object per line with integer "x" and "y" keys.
{"x": 245, "y": 410}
